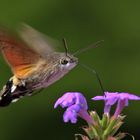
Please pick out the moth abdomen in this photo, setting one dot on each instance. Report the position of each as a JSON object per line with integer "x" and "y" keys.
{"x": 8, "y": 95}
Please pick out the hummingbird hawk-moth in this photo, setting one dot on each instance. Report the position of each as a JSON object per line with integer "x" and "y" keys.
{"x": 34, "y": 62}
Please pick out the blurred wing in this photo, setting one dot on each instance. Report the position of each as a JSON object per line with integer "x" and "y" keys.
{"x": 42, "y": 44}
{"x": 20, "y": 57}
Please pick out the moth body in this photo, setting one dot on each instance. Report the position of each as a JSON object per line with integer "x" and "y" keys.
{"x": 35, "y": 65}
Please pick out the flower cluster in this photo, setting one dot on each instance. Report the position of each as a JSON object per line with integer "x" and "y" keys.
{"x": 101, "y": 129}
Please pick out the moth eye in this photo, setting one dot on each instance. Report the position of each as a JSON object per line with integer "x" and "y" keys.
{"x": 64, "y": 62}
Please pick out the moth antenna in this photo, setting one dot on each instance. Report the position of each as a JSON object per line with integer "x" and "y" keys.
{"x": 97, "y": 75}
{"x": 65, "y": 46}
{"x": 96, "y": 44}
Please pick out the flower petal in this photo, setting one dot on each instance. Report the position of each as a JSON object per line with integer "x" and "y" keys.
{"x": 129, "y": 96}
{"x": 66, "y": 100}
{"x": 71, "y": 114}
{"x": 80, "y": 99}
{"x": 98, "y": 98}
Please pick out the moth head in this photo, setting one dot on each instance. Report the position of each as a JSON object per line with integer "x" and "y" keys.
{"x": 67, "y": 61}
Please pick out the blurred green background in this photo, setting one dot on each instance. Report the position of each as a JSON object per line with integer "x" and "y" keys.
{"x": 81, "y": 22}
